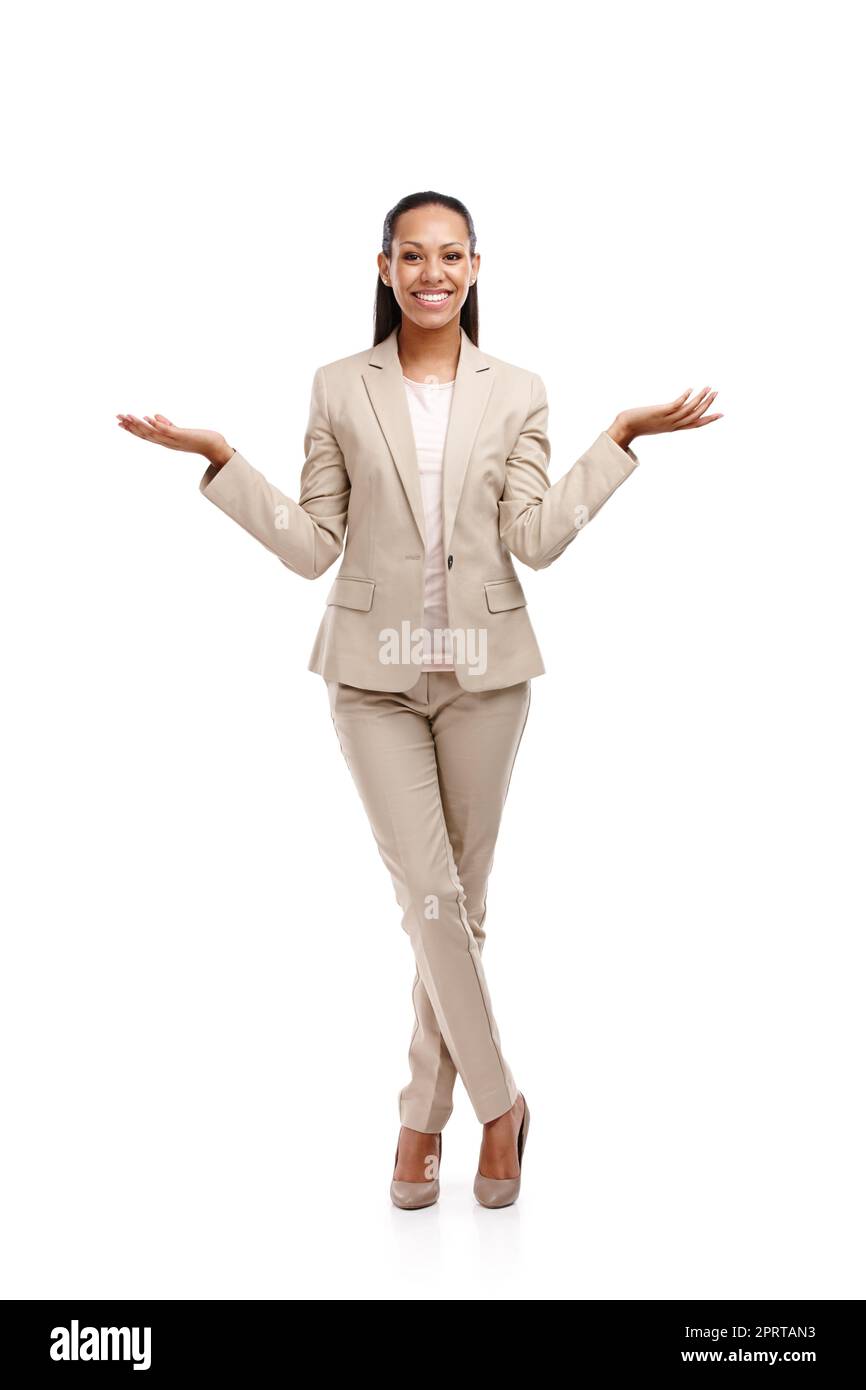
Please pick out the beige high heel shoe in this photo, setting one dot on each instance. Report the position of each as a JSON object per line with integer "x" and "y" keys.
{"x": 412, "y": 1195}
{"x": 502, "y": 1192}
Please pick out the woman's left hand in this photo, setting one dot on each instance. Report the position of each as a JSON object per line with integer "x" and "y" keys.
{"x": 681, "y": 414}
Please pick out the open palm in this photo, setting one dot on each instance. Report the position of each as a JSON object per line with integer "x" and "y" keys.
{"x": 681, "y": 414}
{"x": 160, "y": 430}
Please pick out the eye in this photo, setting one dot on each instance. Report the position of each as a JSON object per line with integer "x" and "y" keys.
{"x": 456, "y": 255}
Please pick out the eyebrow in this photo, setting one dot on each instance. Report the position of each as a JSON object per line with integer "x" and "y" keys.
{"x": 441, "y": 248}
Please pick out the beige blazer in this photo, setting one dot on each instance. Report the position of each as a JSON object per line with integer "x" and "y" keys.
{"x": 360, "y": 483}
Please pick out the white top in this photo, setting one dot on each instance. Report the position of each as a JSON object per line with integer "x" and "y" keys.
{"x": 430, "y": 408}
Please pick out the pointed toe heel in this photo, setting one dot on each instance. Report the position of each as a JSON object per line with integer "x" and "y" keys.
{"x": 503, "y": 1192}
{"x": 411, "y": 1196}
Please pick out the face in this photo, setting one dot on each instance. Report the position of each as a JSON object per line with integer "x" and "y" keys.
{"x": 430, "y": 270}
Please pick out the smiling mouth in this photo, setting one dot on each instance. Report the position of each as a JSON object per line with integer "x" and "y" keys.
{"x": 432, "y": 299}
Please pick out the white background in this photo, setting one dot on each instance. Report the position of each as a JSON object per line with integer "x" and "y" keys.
{"x": 206, "y": 990}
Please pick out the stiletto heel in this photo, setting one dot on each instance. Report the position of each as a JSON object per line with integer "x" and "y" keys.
{"x": 409, "y": 1196}
{"x": 502, "y": 1192}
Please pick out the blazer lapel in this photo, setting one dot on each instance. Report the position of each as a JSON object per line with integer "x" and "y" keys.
{"x": 473, "y": 383}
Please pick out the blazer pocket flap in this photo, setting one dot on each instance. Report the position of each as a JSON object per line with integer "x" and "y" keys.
{"x": 352, "y": 593}
{"x": 504, "y": 593}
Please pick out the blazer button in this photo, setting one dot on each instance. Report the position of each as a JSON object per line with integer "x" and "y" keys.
{"x": 450, "y": 561}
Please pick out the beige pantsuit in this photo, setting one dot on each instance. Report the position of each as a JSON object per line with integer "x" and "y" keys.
{"x": 433, "y": 766}
{"x": 430, "y": 753}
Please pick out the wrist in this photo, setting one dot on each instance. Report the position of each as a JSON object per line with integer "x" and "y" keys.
{"x": 620, "y": 433}
{"x": 220, "y": 456}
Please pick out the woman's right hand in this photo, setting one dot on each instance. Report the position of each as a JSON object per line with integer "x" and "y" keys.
{"x": 159, "y": 430}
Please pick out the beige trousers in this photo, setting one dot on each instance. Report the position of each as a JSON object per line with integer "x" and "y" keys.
{"x": 432, "y": 766}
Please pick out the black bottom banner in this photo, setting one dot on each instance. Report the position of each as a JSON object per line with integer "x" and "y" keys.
{"x": 243, "y": 1340}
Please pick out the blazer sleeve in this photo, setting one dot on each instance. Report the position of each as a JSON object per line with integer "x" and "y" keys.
{"x": 307, "y": 535}
{"x": 538, "y": 521}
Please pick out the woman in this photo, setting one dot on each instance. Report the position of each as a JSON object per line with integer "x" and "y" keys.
{"x": 430, "y": 459}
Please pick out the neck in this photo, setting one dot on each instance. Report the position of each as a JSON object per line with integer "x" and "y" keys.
{"x": 429, "y": 351}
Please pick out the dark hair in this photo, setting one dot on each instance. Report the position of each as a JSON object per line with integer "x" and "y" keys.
{"x": 387, "y": 314}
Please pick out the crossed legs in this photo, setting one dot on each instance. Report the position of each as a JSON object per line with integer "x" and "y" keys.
{"x": 433, "y": 766}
